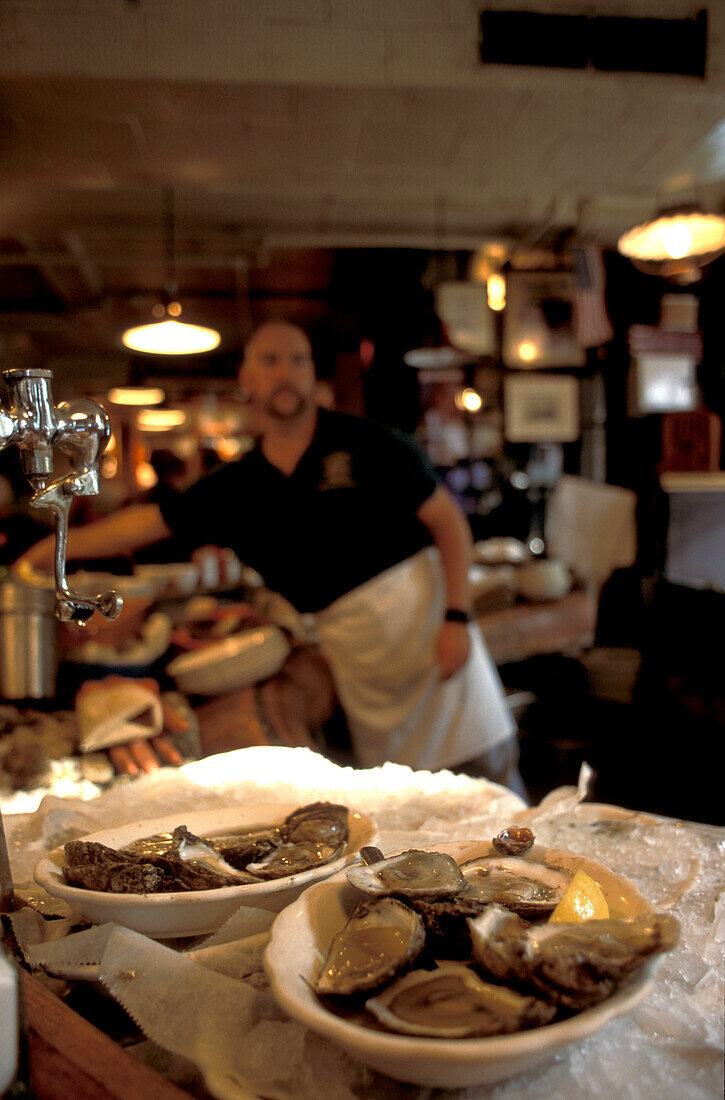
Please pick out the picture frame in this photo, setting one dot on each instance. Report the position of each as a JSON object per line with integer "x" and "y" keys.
{"x": 538, "y": 329}
{"x": 662, "y": 382}
{"x": 541, "y": 409}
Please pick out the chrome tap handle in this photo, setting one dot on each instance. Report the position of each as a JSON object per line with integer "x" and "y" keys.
{"x": 82, "y": 432}
{"x": 81, "y": 429}
{"x": 31, "y": 420}
{"x": 71, "y": 606}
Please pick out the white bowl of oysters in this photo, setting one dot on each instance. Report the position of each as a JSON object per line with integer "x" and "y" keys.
{"x": 441, "y": 967}
{"x": 185, "y": 874}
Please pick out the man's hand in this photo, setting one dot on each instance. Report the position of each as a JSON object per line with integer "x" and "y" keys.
{"x": 453, "y": 645}
{"x": 144, "y": 756}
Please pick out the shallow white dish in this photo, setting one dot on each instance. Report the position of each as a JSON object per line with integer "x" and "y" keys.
{"x": 234, "y": 662}
{"x": 170, "y": 578}
{"x": 194, "y": 913}
{"x": 300, "y": 939}
{"x": 501, "y": 550}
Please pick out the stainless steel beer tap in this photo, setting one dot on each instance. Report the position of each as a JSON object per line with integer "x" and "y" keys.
{"x": 80, "y": 429}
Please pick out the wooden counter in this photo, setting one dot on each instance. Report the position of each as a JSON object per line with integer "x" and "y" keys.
{"x": 69, "y": 1057}
{"x": 530, "y": 629}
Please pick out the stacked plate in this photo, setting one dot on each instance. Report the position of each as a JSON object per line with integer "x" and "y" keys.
{"x": 232, "y": 663}
{"x": 171, "y": 579}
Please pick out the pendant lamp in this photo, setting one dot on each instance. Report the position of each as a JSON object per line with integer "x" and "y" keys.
{"x": 438, "y": 353}
{"x": 167, "y": 335}
{"x": 679, "y": 238}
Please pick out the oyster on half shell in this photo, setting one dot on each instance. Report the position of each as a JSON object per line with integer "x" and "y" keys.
{"x": 411, "y": 874}
{"x": 381, "y": 937}
{"x": 452, "y": 1002}
{"x": 240, "y": 849}
{"x": 198, "y": 864}
{"x": 573, "y": 964}
{"x": 318, "y": 823}
{"x": 292, "y": 859}
{"x": 525, "y": 886}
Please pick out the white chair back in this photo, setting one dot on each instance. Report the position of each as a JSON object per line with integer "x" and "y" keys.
{"x": 591, "y": 527}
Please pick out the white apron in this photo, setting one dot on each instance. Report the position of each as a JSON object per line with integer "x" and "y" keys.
{"x": 379, "y": 641}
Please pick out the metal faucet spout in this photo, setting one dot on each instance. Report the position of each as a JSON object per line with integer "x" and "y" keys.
{"x": 81, "y": 429}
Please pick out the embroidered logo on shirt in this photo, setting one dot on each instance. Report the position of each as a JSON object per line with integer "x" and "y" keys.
{"x": 337, "y": 471}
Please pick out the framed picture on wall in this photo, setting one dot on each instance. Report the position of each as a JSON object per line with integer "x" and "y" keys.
{"x": 538, "y": 326}
{"x": 541, "y": 408}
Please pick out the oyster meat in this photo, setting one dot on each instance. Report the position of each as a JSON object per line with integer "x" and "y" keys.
{"x": 292, "y": 859}
{"x": 239, "y": 851}
{"x": 158, "y": 844}
{"x": 525, "y": 886}
{"x": 411, "y": 874}
{"x": 452, "y": 1002}
{"x": 572, "y": 964}
{"x": 310, "y": 836}
{"x": 198, "y": 864}
{"x": 381, "y": 937}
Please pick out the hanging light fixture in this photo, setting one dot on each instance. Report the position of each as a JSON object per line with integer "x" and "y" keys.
{"x": 136, "y": 395}
{"x": 680, "y": 238}
{"x": 487, "y": 266}
{"x": 166, "y": 335}
{"x": 441, "y": 355}
{"x": 160, "y": 420}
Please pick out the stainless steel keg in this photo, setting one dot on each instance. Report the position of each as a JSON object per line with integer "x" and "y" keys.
{"x": 28, "y": 642}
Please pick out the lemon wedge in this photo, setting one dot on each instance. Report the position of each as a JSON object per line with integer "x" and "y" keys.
{"x": 583, "y": 900}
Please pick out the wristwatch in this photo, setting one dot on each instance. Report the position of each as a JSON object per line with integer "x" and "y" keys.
{"x": 456, "y": 615}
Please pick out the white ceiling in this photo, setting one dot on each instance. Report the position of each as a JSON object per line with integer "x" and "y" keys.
{"x": 298, "y": 124}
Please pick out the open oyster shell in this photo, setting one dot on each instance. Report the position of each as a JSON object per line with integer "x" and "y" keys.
{"x": 452, "y": 1002}
{"x": 319, "y": 823}
{"x": 525, "y": 886}
{"x": 198, "y": 864}
{"x": 240, "y": 850}
{"x": 310, "y": 836}
{"x": 292, "y": 859}
{"x": 381, "y": 937}
{"x": 411, "y": 874}
{"x": 572, "y": 964}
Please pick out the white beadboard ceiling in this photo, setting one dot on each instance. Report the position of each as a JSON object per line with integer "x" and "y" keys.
{"x": 285, "y": 125}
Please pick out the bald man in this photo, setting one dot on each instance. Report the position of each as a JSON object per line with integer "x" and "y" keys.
{"x": 347, "y": 520}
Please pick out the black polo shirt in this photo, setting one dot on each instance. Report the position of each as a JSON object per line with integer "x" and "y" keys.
{"x": 346, "y": 513}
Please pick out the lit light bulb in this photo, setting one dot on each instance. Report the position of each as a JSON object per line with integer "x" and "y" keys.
{"x": 469, "y": 400}
{"x": 136, "y": 395}
{"x": 527, "y": 351}
{"x": 146, "y": 476}
{"x": 677, "y": 240}
{"x": 496, "y": 292}
{"x": 160, "y": 420}
{"x": 171, "y": 338}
